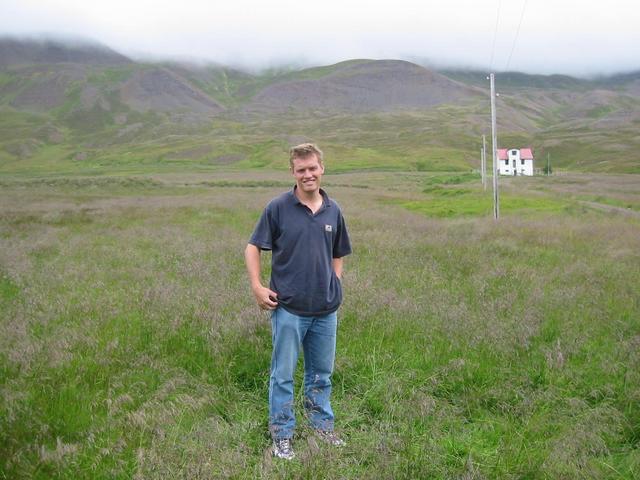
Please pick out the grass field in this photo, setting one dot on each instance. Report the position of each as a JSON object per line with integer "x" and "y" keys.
{"x": 130, "y": 346}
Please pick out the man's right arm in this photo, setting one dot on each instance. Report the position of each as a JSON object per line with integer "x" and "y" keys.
{"x": 263, "y": 295}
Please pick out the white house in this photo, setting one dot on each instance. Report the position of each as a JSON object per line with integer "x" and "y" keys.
{"x": 514, "y": 161}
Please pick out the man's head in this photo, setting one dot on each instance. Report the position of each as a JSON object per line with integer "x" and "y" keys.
{"x": 304, "y": 150}
{"x": 306, "y": 165}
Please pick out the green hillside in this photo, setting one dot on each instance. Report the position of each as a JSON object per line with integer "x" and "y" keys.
{"x": 103, "y": 117}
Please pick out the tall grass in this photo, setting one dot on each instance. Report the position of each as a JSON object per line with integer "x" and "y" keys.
{"x": 130, "y": 346}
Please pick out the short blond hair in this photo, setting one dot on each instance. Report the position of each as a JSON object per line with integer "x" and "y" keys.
{"x": 304, "y": 150}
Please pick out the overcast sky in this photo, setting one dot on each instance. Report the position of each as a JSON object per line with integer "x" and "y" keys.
{"x": 578, "y": 37}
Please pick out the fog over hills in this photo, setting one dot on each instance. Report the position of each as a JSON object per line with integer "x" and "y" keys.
{"x": 87, "y": 101}
{"x": 15, "y": 52}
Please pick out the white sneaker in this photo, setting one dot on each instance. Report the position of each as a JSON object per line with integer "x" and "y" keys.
{"x": 331, "y": 438}
{"x": 282, "y": 448}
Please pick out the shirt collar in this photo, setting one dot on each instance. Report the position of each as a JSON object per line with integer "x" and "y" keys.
{"x": 296, "y": 200}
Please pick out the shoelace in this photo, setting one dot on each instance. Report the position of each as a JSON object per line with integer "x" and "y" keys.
{"x": 284, "y": 445}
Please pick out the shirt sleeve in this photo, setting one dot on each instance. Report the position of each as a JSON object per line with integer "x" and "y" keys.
{"x": 263, "y": 234}
{"x": 341, "y": 242}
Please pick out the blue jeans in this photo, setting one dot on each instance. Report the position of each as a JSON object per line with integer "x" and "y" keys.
{"x": 317, "y": 335}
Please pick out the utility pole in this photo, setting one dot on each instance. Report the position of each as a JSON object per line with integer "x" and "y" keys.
{"x": 483, "y": 163}
{"x": 548, "y": 165}
{"x": 494, "y": 141}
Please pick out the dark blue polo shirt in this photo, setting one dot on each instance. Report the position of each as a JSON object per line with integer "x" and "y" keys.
{"x": 303, "y": 245}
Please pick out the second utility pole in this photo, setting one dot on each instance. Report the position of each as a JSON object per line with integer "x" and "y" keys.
{"x": 494, "y": 141}
{"x": 483, "y": 163}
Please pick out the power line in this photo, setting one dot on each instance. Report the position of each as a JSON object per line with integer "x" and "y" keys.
{"x": 495, "y": 36}
{"x": 515, "y": 40}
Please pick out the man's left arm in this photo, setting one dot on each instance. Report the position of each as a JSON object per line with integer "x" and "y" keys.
{"x": 341, "y": 247}
{"x": 338, "y": 264}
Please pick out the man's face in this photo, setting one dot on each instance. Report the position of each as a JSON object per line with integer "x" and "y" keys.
{"x": 308, "y": 173}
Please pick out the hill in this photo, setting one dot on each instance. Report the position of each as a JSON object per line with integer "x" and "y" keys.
{"x": 86, "y": 108}
{"x": 20, "y": 52}
{"x": 363, "y": 86}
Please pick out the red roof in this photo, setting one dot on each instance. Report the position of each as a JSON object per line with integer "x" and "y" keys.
{"x": 526, "y": 153}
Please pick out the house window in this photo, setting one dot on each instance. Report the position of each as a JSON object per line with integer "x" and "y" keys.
{"x": 522, "y": 161}
{"x": 506, "y": 162}
{"x": 514, "y": 152}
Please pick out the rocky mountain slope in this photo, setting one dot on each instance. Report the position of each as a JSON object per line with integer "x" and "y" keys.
{"x": 365, "y": 86}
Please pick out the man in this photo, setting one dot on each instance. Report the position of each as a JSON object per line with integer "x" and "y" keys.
{"x": 307, "y": 236}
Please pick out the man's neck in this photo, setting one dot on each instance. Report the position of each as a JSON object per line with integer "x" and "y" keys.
{"x": 313, "y": 200}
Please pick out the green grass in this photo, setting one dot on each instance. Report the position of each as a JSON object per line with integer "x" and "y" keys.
{"x": 111, "y": 75}
{"x": 8, "y": 290}
{"x": 601, "y": 111}
{"x": 130, "y": 345}
{"x": 6, "y": 79}
{"x": 616, "y": 202}
{"x": 452, "y": 179}
{"x": 443, "y": 201}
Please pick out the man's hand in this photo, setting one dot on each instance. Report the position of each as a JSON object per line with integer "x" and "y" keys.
{"x": 266, "y": 298}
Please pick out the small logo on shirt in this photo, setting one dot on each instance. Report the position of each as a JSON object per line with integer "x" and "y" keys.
{"x": 328, "y": 228}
